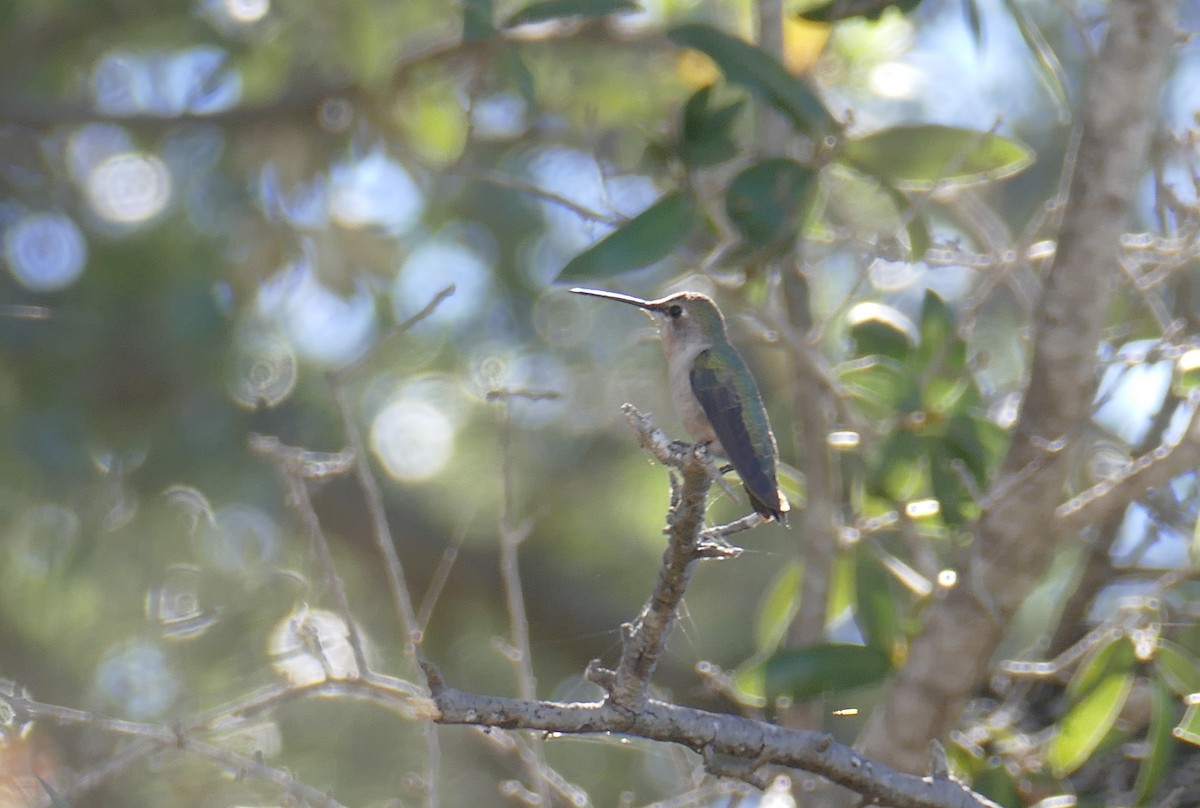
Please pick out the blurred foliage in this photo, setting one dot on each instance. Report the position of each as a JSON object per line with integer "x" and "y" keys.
{"x": 215, "y": 213}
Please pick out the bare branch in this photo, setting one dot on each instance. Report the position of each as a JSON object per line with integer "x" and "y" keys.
{"x": 647, "y": 636}
{"x": 709, "y": 733}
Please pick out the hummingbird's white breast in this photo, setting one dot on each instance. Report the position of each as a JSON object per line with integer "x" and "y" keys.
{"x": 680, "y": 358}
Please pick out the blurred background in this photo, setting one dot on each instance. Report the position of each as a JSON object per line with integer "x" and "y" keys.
{"x": 210, "y": 209}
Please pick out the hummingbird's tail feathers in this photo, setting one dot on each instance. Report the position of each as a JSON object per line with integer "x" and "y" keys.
{"x": 777, "y": 511}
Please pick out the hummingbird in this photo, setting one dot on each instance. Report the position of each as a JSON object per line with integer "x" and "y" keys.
{"x": 714, "y": 392}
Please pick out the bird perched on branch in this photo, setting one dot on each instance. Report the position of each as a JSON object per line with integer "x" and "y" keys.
{"x": 714, "y": 392}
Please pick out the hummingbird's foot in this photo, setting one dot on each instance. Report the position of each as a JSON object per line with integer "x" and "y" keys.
{"x": 725, "y": 469}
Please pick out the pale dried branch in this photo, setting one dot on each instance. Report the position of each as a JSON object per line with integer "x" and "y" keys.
{"x": 704, "y": 732}
{"x": 647, "y": 636}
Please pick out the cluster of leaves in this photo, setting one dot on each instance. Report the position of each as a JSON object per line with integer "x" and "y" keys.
{"x": 770, "y": 202}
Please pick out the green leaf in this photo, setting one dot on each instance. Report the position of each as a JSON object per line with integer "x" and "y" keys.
{"x": 762, "y": 74}
{"x": 927, "y": 155}
{"x": 804, "y": 673}
{"x": 841, "y": 586}
{"x": 957, "y": 505}
{"x": 477, "y": 20}
{"x": 904, "y": 472}
{"x": 880, "y": 385}
{"x": 880, "y": 330}
{"x": 1160, "y": 742}
{"x": 940, "y": 348}
{"x": 706, "y": 131}
{"x": 1052, "y": 75}
{"x": 876, "y": 607}
{"x": 518, "y": 72}
{"x": 1187, "y": 373}
{"x": 765, "y": 201}
{"x": 648, "y": 237}
{"x": 974, "y": 21}
{"x": 1179, "y": 669}
{"x": 995, "y": 782}
{"x": 919, "y": 239}
{"x": 946, "y": 395}
{"x": 778, "y": 607}
{"x": 1116, "y": 656}
{"x": 557, "y": 9}
{"x": 836, "y": 10}
{"x": 1088, "y": 721}
{"x": 977, "y": 442}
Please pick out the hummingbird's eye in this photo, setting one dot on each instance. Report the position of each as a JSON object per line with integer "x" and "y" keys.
{"x": 675, "y": 311}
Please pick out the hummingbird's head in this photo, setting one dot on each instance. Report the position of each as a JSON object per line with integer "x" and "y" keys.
{"x": 685, "y": 318}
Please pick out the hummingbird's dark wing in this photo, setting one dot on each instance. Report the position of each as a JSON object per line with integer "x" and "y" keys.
{"x": 729, "y": 397}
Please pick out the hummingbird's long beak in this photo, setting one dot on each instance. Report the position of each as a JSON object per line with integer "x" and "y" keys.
{"x": 648, "y": 305}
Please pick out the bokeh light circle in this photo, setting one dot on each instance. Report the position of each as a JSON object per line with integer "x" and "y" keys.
{"x": 247, "y": 11}
{"x": 129, "y": 188}
{"x": 265, "y": 371}
{"x": 45, "y": 251}
{"x": 412, "y": 439}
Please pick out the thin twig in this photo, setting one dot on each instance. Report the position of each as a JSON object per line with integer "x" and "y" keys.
{"x": 1154, "y": 468}
{"x": 385, "y": 545}
{"x": 511, "y": 538}
{"x": 295, "y": 477}
{"x": 519, "y": 185}
{"x": 341, "y": 374}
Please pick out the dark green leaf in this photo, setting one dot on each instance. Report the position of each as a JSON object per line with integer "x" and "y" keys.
{"x": 706, "y": 133}
{"x": 762, "y": 74}
{"x": 880, "y": 330}
{"x": 977, "y": 442}
{"x": 1160, "y": 742}
{"x": 1087, "y": 722}
{"x": 836, "y": 10}
{"x": 927, "y": 155}
{"x": 648, "y": 237}
{"x": 477, "y": 20}
{"x": 940, "y": 349}
{"x": 957, "y": 504}
{"x": 804, "y": 673}
{"x": 974, "y": 21}
{"x": 556, "y": 9}
{"x": 518, "y": 73}
{"x": 766, "y": 201}
{"x": 778, "y": 607}
{"x": 995, "y": 782}
{"x": 875, "y": 608}
{"x": 1179, "y": 668}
